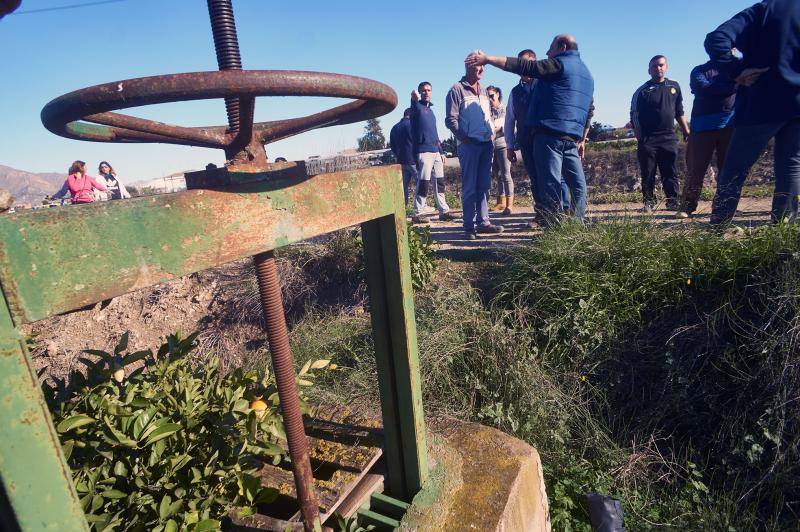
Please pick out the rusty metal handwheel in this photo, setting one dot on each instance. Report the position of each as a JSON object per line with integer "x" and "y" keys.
{"x": 86, "y": 114}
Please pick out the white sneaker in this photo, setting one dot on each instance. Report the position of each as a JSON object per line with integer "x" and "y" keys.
{"x": 681, "y": 214}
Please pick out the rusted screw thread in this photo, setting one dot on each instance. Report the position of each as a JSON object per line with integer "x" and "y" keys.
{"x": 226, "y": 44}
{"x": 278, "y": 336}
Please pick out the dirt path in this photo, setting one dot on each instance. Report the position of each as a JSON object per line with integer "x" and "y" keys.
{"x": 753, "y": 211}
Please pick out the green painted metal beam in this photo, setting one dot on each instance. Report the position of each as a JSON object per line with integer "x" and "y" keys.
{"x": 396, "y": 353}
{"x": 36, "y": 480}
{"x": 57, "y": 260}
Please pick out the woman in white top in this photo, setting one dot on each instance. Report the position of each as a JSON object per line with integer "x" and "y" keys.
{"x": 108, "y": 177}
{"x": 501, "y": 166}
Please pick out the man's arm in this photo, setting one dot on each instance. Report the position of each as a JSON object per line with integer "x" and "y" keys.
{"x": 539, "y": 69}
{"x": 718, "y": 87}
{"x": 586, "y": 127}
{"x": 453, "y": 105}
{"x": 508, "y": 130}
{"x": 738, "y": 32}
{"x": 61, "y": 192}
{"x": 637, "y": 128}
{"x": 680, "y": 116}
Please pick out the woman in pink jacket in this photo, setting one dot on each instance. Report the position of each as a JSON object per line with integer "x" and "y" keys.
{"x": 79, "y": 184}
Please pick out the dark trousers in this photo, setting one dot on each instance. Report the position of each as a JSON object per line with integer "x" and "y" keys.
{"x": 746, "y": 145}
{"x": 526, "y": 148}
{"x": 658, "y": 154}
{"x": 699, "y": 151}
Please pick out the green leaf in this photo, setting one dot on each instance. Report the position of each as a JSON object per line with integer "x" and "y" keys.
{"x": 164, "y": 507}
{"x": 207, "y": 525}
{"x": 114, "y": 494}
{"x": 162, "y": 432}
{"x": 135, "y": 357}
{"x": 67, "y": 447}
{"x": 74, "y": 422}
{"x": 171, "y": 526}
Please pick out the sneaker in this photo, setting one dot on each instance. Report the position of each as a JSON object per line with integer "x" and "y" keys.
{"x": 447, "y": 216}
{"x": 489, "y": 228}
{"x": 647, "y": 209}
{"x": 682, "y": 215}
{"x": 506, "y": 211}
{"x": 417, "y": 219}
{"x": 469, "y": 235}
{"x": 532, "y": 225}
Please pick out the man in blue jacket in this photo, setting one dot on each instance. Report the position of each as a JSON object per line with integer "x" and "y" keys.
{"x": 767, "y": 102}
{"x": 428, "y": 152}
{"x": 712, "y": 127}
{"x": 559, "y": 115}
{"x": 403, "y": 150}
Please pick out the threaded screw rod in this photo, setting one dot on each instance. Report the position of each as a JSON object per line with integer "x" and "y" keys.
{"x": 226, "y": 44}
{"x": 270, "y": 291}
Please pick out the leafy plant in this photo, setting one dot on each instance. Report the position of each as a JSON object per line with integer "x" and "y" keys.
{"x": 422, "y": 256}
{"x": 169, "y": 446}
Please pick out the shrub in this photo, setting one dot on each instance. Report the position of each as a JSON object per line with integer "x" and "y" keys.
{"x": 169, "y": 446}
{"x": 422, "y": 256}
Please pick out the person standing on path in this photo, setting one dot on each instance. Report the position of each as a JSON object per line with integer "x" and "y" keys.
{"x": 428, "y": 152}
{"x": 767, "y": 102}
{"x": 519, "y": 137}
{"x": 403, "y": 150}
{"x": 654, "y": 108}
{"x": 712, "y": 125}
{"x": 559, "y": 113}
{"x": 469, "y": 118}
{"x": 501, "y": 166}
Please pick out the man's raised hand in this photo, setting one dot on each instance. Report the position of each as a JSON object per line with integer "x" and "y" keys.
{"x": 414, "y": 96}
{"x": 476, "y": 58}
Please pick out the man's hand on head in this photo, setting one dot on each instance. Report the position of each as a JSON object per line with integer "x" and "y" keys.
{"x": 476, "y": 58}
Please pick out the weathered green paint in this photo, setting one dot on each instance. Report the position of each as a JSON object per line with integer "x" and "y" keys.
{"x": 396, "y": 352}
{"x": 381, "y": 522}
{"x": 56, "y": 260}
{"x": 34, "y": 475}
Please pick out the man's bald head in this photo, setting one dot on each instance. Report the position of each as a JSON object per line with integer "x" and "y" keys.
{"x": 562, "y": 43}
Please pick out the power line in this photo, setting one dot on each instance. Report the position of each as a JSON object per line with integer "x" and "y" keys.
{"x": 71, "y": 6}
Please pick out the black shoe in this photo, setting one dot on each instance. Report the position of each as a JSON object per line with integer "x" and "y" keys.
{"x": 489, "y": 228}
{"x": 417, "y": 220}
{"x": 447, "y": 217}
{"x": 469, "y": 235}
{"x": 672, "y": 204}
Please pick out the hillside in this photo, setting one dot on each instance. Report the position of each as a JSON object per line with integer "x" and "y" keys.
{"x": 29, "y": 187}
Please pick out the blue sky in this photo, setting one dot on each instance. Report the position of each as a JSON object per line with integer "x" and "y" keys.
{"x": 399, "y": 43}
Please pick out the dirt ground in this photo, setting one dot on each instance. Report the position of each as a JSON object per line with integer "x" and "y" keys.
{"x": 229, "y": 323}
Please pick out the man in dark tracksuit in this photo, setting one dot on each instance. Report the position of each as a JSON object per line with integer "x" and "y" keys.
{"x": 403, "y": 150}
{"x": 654, "y": 108}
{"x": 767, "y": 102}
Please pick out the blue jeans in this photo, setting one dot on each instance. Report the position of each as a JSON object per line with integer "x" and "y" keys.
{"x": 528, "y": 160}
{"x": 557, "y": 161}
{"x": 409, "y": 173}
{"x": 746, "y": 145}
{"x": 476, "y": 179}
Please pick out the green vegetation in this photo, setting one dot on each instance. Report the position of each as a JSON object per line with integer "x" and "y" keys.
{"x": 656, "y": 366}
{"x": 169, "y": 446}
{"x": 707, "y": 194}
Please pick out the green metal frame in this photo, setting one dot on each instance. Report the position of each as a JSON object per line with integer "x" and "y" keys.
{"x": 56, "y": 260}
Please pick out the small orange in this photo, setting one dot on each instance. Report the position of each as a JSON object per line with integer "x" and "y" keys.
{"x": 258, "y": 405}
